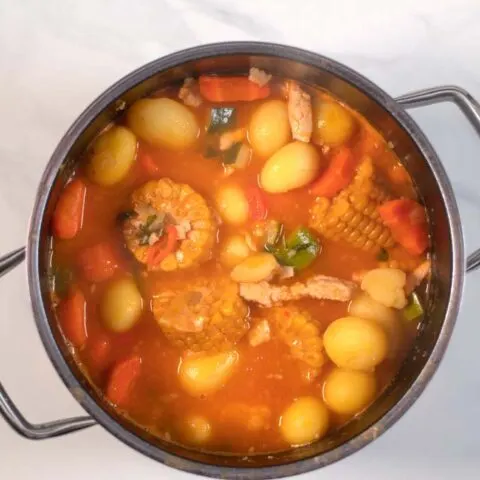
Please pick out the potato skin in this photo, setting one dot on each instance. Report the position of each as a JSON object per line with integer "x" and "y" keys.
{"x": 232, "y": 204}
{"x": 293, "y": 166}
{"x": 113, "y": 153}
{"x": 121, "y": 305}
{"x": 269, "y": 128}
{"x": 304, "y": 421}
{"x": 163, "y": 122}
{"x": 355, "y": 343}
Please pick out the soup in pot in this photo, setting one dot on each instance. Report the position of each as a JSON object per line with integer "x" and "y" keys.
{"x": 238, "y": 263}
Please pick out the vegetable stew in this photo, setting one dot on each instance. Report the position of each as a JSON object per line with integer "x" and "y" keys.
{"x": 239, "y": 263}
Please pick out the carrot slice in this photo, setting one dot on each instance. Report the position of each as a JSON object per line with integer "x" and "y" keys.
{"x": 148, "y": 163}
{"x": 71, "y": 314}
{"x": 160, "y": 250}
{"x": 231, "y": 89}
{"x": 408, "y": 223}
{"x": 256, "y": 203}
{"x": 98, "y": 263}
{"x": 99, "y": 351}
{"x": 68, "y": 214}
{"x": 122, "y": 379}
{"x": 337, "y": 176}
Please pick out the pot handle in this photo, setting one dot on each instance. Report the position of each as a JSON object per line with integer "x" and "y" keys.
{"x": 469, "y": 107}
{"x": 8, "y": 409}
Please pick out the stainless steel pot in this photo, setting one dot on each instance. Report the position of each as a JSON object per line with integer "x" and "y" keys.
{"x": 411, "y": 145}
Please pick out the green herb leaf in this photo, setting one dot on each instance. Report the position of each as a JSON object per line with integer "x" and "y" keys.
{"x": 414, "y": 309}
{"x": 230, "y": 156}
{"x": 382, "y": 255}
{"x": 221, "y": 119}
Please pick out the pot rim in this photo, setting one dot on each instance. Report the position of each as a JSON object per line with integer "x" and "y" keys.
{"x": 176, "y": 59}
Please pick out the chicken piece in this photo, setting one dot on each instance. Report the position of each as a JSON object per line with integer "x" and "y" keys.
{"x": 259, "y": 333}
{"x": 260, "y": 77}
{"x": 206, "y": 315}
{"x": 297, "y": 329}
{"x": 319, "y": 286}
{"x": 189, "y": 93}
{"x": 164, "y": 202}
{"x": 228, "y": 139}
{"x": 299, "y": 112}
{"x": 415, "y": 278}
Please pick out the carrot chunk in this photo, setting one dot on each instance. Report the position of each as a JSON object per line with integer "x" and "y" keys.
{"x": 148, "y": 163}
{"x": 337, "y": 176}
{"x": 68, "y": 214}
{"x": 71, "y": 314}
{"x": 98, "y": 263}
{"x": 231, "y": 89}
{"x": 98, "y": 351}
{"x": 408, "y": 223}
{"x": 160, "y": 250}
{"x": 122, "y": 379}
{"x": 256, "y": 203}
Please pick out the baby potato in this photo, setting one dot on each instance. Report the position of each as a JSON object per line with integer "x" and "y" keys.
{"x": 255, "y": 268}
{"x": 269, "y": 128}
{"x": 364, "y": 306}
{"x": 204, "y": 375}
{"x": 121, "y": 305}
{"x": 355, "y": 343}
{"x": 293, "y": 166}
{"x": 196, "y": 429}
{"x": 348, "y": 392}
{"x": 333, "y": 125}
{"x": 304, "y": 421}
{"x": 232, "y": 204}
{"x": 234, "y": 250}
{"x": 113, "y": 153}
{"x": 386, "y": 286}
{"x": 163, "y": 122}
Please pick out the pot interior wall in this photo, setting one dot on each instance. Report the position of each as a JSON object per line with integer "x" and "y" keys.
{"x": 327, "y": 78}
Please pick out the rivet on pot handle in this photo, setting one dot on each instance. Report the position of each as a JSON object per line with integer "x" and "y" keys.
{"x": 8, "y": 409}
{"x": 467, "y": 104}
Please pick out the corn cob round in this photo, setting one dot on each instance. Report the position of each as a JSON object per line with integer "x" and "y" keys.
{"x": 352, "y": 215}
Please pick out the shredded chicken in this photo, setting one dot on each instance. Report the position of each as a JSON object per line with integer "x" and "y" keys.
{"x": 189, "y": 93}
{"x": 319, "y": 287}
{"x": 259, "y": 333}
{"x": 299, "y": 112}
{"x": 259, "y": 77}
{"x": 415, "y": 278}
{"x": 228, "y": 139}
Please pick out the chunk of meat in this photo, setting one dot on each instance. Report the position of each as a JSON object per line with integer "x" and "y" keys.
{"x": 189, "y": 93}
{"x": 260, "y": 77}
{"x": 299, "y": 113}
{"x": 320, "y": 287}
{"x": 259, "y": 333}
{"x": 415, "y": 278}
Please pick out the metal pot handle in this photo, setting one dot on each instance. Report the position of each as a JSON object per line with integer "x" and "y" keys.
{"x": 469, "y": 107}
{"x": 8, "y": 409}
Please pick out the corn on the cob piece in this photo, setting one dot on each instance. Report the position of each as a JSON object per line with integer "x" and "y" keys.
{"x": 206, "y": 315}
{"x": 352, "y": 215}
{"x": 300, "y": 333}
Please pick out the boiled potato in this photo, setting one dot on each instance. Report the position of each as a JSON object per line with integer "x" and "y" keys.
{"x": 196, "y": 429}
{"x": 348, "y": 392}
{"x": 333, "y": 124}
{"x": 121, "y": 305}
{"x": 305, "y": 421}
{"x": 269, "y": 128}
{"x": 386, "y": 286}
{"x": 355, "y": 343}
{"x": 364, "y": 306}
{"x": 204, "y": 375}
{"x": 255, "y": 268}
{"x": 232, "y": 204}
{"x": 234, "y": 250}
{"x": 293, "y": 166}
{"x": 113, "y": 153}
{"x": 163, "y": 122}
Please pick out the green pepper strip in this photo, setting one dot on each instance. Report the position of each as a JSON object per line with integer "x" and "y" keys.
{"x": 414, "y": 309}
